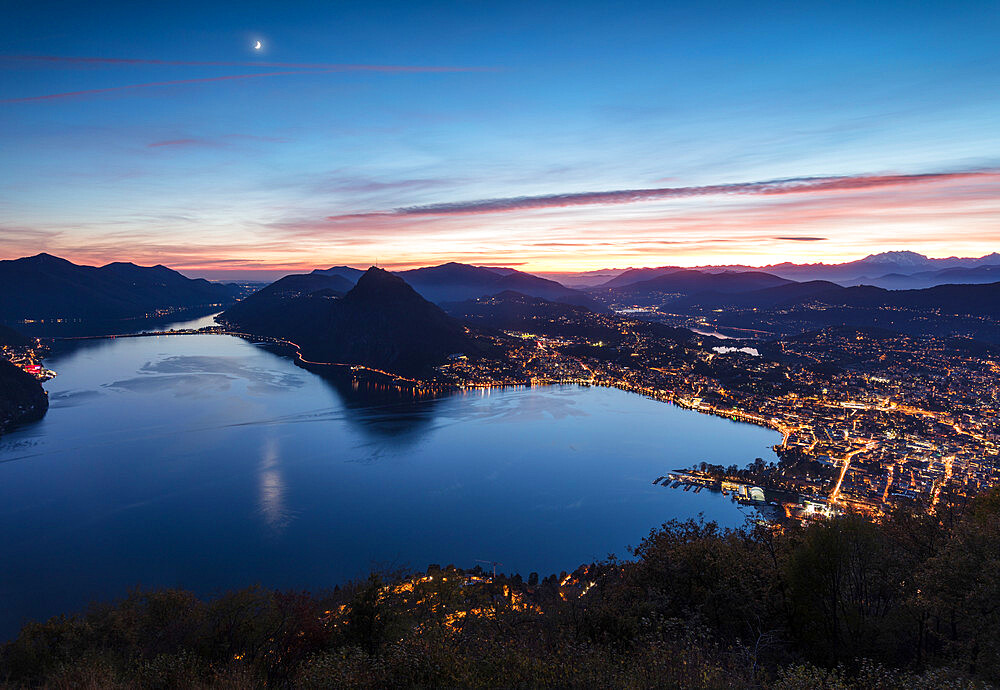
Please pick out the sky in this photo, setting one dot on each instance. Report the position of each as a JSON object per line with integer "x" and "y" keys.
{"x": 545, "y": 136}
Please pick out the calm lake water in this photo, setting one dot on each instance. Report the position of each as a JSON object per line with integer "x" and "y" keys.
{"x": 207, "y": 462}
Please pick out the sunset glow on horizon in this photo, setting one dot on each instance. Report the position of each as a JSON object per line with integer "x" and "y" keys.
{"x": 540, "y": 139}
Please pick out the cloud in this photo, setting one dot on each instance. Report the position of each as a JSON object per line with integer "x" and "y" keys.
{"x": 804, "y": 239}
{"x": 321, "y": 66}
{"x": 180, "y": 142}
{"x": 221, "y": 141}
{"x": 287, "y": 68}
{"x": 363, "y": 185}
{"x": 174, "y": 82}
{"x": 257, "y": 137}
{"x": 797, "y": 185}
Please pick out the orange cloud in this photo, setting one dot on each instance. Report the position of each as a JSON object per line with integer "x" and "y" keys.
{"x": 630, "y": 196}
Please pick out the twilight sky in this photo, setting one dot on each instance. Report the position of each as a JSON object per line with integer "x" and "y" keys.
{"x": 553, "y": 137}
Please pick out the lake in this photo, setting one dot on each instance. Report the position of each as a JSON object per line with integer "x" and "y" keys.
{"x": 208, "y": 462}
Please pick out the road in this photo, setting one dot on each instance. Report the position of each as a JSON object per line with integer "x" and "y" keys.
{"x": 847, "y": 464}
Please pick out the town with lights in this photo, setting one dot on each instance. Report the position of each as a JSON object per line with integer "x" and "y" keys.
{"x": 867, "y": 419}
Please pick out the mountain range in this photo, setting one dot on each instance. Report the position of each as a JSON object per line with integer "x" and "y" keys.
{"x": 954, "y": 310}
{"x": 987, "y": 273}
{"x": 658, "y": 290}
{"x": 892, "y": 270}
{"x": 45, "y": 287}
{"x": 975, "y": 300}
{"x": 380, "y": 322}
{"x": 456, "y": 282}
{"x": 307, "y": 283}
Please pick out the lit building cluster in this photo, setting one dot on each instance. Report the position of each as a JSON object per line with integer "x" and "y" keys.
{"x": 866, "y": 420}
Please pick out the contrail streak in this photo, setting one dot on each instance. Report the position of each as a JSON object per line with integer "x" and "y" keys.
{"x": 175, "y": 82}
{"x": 331, "y": 67}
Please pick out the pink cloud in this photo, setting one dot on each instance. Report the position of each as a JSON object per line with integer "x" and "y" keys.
{"x": 942, "y": 214}
{"x": 801, "y": 185}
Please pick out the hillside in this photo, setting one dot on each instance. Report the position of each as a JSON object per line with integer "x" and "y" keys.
{"x": 976, "y": 299}
{"x": 22, "y": 398}
{"x": 512, "y": 311}
{"x": 967, "y": 310}
{"x": 669, "y": 286}
{"x": 899, "y": 281}
{"x": 10, "y": 337}
{"x": 456, "y": 282}
{"x": 47, "y": 287}
{"x": 789, "y": 293}
{"x": 963, "y": 299}
{"x": 283, "y": 306}
{"x": 345, "y": 272}
{"x": 381, "y": 322}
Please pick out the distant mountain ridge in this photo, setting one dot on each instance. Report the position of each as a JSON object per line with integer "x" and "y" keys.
{"x": 983, "y": 273}
{"x": 686, "y": 280}
{"x": 667, "y": 287}
{"x": 775, "y": 296}
{"x": 874, "y": 266}
{"x": 967, "y": 311}
{"x": 48, "y": 287}
{"x": 345, "y": 272}
{"x": 456, "y": 282}
{"x": 873, "y": 269}
{"x": 974, "y": 299}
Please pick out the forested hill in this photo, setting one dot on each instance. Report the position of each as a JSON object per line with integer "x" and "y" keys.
{"x": 381, "y": 322}
{"x": 45, "y": 287}
{"x": 22, "y": 398}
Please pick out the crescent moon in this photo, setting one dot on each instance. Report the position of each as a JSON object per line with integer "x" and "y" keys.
{"x": 257, "y": 47}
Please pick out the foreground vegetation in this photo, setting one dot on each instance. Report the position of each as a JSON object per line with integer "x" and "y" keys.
{"x": 908, "y": 601}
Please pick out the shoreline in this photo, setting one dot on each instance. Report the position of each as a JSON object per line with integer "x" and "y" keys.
{"x": 418, "y": 384}
{"x": 418, "y": 387}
